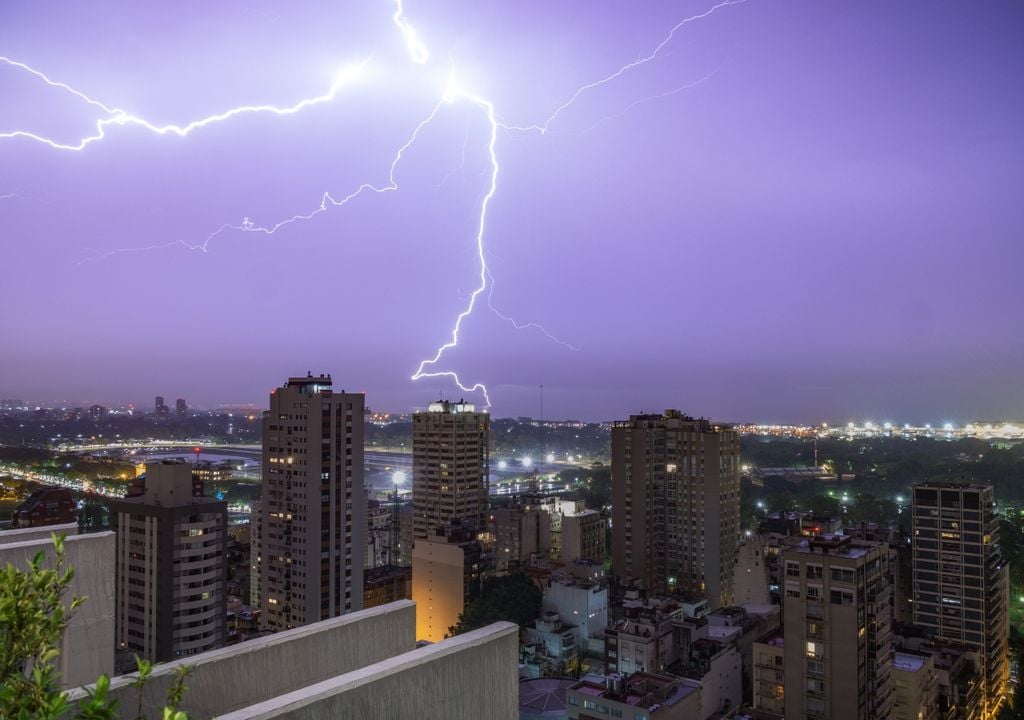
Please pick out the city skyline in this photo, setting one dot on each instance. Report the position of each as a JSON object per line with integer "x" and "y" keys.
{"x": 790, "y": 213}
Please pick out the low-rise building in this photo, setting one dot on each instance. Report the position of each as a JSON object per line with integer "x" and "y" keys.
{"x": 582, "y": 537}
{"x": 386, "y": 584}
{"x": 522, "y": 532}
{"x": 769, "y": 676}
{"x": 643, "y": 640}
{"x": 554, "y": 641}
{"x": 915, "y": 687}
{"x": 636, "y": 696}
{"x": 583, "y": 603}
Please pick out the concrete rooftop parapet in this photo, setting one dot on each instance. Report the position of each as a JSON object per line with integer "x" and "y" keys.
{"x": 467, "y": 677}
{"x": 87, "y": 649}
{"x": 264, "y": 668}
{"x": 34, "y": 534}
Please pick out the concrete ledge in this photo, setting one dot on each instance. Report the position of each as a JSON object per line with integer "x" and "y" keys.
{"x": 239, "y": 675}
{"x": 32, "y": 534}
{"x": 87, "y": 650}
{"x": 471, "y": 676}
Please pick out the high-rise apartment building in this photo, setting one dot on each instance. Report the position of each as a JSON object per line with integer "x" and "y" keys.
{"x": 170, "y": 567}
{"x": 313, "y": 504}
{"x": 961, "y": 582}
{"x": 180, "y": 407}
{"x": 450, "y": 467}
{"x": 255, "y": 553}
{"x": 676, "y": 504}
{"x": 838, "y": 630}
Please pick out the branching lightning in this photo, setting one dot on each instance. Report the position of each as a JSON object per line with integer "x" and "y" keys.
{"x": 419, "y": 54}
{"x": 543, "y": 127}
{"x": 121, "y": 118}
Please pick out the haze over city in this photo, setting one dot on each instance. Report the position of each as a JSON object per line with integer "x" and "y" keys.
{"x": 791, "y": 212}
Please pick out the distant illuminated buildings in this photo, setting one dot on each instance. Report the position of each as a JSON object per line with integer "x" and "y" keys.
{"x": 180, "y": 408}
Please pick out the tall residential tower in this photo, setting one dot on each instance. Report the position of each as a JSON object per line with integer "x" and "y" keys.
{"x": 171, "y": 568}
{"x": 961, "y": 582}
{"x": 838, "y": 630}
{"x": 313, "y": 504}
{"x": 676, "y": 504}
{"x": 450, "y": 468}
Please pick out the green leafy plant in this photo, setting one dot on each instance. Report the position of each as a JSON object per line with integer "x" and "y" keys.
{"x": 33, "y": 617}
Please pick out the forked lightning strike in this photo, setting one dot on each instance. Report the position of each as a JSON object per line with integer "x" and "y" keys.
{"x": 121, "y": 118}
{"x": 419, "y": 54}
{"x": 543, "y": 127}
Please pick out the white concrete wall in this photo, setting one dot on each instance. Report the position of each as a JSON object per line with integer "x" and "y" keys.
{"x": 257, "y": 670}
{"x": 88, "y": 647}
{"x": 723, "y": 683}
{"x": 473, "y": 676}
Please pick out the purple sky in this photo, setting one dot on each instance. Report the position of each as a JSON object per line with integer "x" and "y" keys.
{"x": 825, "y": 222}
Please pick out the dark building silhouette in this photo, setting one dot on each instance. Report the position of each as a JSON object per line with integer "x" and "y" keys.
{"x": 46, "y": 506}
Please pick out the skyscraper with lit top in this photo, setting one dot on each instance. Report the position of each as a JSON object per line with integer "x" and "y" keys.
{"x": 450, "y": 467}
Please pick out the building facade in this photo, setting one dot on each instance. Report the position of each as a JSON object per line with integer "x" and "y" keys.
{"x": 313, "y": 504}
{"x": 961, "y": 582}
{"x": 676, "y": 504}
{"x": 447, "y": 573}
{"x": 582, "y": 537}
{"x": 171, "y": 570}
{"x": 769, "y": 691}
{"x": 522, "y": 532}
{"x": 450, "y": 467}
{"x": 838, "y": 630}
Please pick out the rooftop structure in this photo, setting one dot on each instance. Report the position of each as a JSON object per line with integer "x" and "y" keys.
{"x": 662, "y": 697}
{"x": 364, "y": 665}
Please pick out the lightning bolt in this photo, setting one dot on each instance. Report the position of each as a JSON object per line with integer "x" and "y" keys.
{"x": 543, "y": 126}
{"x": 117, "y": 117}
{"x": 419, "y": 54}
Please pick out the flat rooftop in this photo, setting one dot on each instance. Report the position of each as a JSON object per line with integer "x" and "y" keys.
{"x": 908, "y": 661}
{"x": 723, "y": 633}
{"x": 832, "y": 546}
{"x": 774, "y": 639}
